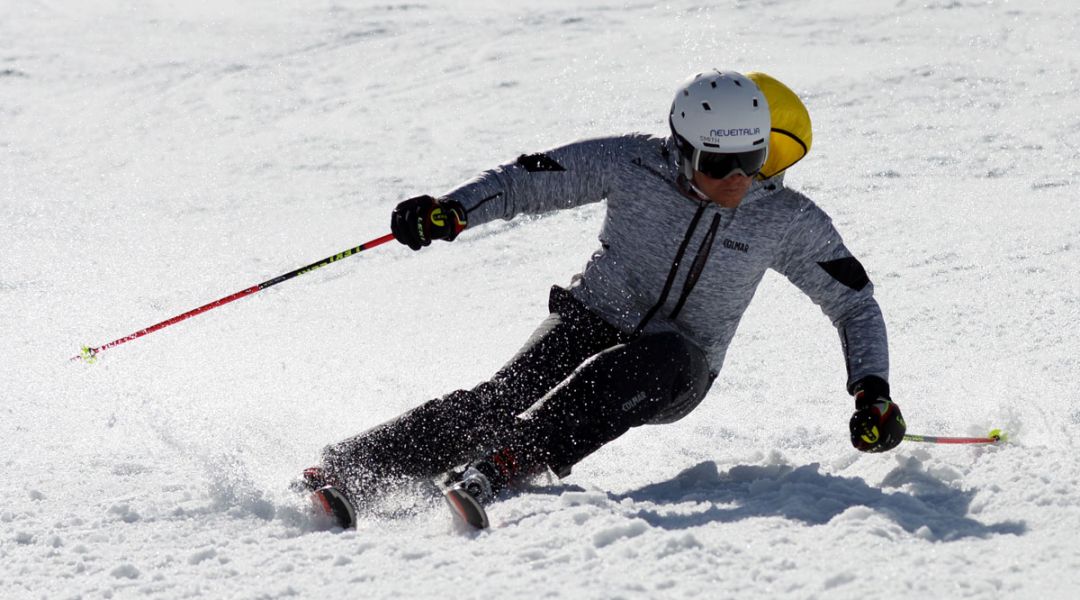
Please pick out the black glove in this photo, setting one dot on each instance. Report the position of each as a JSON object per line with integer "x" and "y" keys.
{"x": 419, "y": 220}
{"x": 877, "y": 424}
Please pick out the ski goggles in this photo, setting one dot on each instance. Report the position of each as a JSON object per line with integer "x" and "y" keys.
{"x": 719, "y": 165}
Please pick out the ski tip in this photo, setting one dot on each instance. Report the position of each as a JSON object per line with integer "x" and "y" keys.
{"x": 998, "y": 435}
{"x": 333, "y": 505}
{"x": 466, "y": 508}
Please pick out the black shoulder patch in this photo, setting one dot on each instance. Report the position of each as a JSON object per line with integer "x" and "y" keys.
{"x": 848, "y": 271}
{"x": 535, "y": 163}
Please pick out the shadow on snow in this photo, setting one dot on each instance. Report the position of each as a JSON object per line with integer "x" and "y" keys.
{"x": 805, "y": 494}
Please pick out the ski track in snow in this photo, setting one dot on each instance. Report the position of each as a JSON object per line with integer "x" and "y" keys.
{"x": 156, "y": 156}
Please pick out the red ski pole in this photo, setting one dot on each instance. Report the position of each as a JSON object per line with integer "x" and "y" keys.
{"x": 89, "y": 354}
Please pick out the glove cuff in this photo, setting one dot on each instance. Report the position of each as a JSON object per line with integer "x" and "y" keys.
{"x": 459, "y": 218}
{"x": 869, "y": 390}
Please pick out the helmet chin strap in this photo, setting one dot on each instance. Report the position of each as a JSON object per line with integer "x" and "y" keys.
{"x": 697, "y": 191}
{"x": 687, "y": 187}
{"x": 686, "y": 168}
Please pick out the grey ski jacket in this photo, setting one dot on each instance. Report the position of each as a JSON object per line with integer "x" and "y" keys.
{"x": 670, "y": 261}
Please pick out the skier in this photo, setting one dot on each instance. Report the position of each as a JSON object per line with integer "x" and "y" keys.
{"x": 693, "y": 221}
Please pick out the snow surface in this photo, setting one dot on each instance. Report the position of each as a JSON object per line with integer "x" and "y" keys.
{"x": 158, "y": 155}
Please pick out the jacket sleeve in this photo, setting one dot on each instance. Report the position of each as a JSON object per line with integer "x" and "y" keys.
{"x": 813, "y": 257}
{"x": 562, "y": 177}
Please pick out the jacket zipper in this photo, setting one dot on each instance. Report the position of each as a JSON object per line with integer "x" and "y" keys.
{"x": 675, "y": 268}
{"x": 698, "y": 265}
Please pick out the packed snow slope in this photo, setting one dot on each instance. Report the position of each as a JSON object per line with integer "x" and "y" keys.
{"x": 155, "y": 156}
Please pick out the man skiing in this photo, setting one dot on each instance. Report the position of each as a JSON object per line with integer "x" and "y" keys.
{"x": 693, "y": 222}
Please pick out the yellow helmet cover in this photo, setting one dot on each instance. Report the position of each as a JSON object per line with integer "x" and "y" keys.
{"x": 791, "y": 135}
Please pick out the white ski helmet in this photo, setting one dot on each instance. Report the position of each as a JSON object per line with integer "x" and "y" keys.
{"x": 720, "y": 123}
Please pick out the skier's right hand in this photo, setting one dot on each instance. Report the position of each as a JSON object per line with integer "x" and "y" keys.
{"x": 876, "y": 425}
{"x": 417, "y": 221}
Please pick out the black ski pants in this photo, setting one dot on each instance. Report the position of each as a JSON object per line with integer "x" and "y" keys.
{"x": 577, "y": 384}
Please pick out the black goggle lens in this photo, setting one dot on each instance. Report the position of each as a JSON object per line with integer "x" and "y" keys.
{"x": 719, "y": 165}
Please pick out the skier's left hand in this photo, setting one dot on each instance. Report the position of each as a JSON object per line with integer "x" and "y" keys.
{"x": 876, "y": 425}
{"x": 417, "y": 221}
